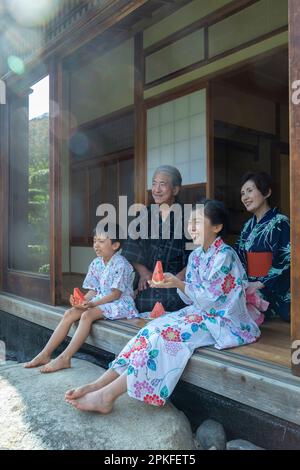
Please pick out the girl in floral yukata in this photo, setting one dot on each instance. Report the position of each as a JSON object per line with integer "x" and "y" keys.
{"x": 150, "y": 365}
{"x": 267, "y": 232}
{"x": 110, "y": 296}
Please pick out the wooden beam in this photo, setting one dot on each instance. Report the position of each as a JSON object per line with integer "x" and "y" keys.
{"x": 222, "y": 55}
{"x": 294, "y": 67}
{"x": 120, "y": 113}
{"x": 218, "y": 15}
{"x": 56, "y": 126}
{"x": 140, "y": 151}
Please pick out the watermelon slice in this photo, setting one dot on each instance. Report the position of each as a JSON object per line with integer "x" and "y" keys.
{"x": 158, "y": 310}
{"x": 78, "y": 296}
{"x": 158, "y": 273}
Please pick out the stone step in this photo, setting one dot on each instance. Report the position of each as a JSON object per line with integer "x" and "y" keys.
{"x": 34, "y": 415}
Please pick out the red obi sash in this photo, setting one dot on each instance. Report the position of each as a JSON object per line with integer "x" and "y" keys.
{"x": 259, "y": 264}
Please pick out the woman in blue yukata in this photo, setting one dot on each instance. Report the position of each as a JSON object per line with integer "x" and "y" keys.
{"x": 110, "y": 296}
{"x": 217, "y": 314}
{"x": 264, "y": 245}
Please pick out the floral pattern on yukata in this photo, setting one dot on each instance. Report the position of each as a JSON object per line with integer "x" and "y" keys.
{"x": 116, "y": 274}
{"x": 217, "y": 315}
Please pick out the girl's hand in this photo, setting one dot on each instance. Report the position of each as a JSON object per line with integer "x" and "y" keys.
{"x": 170, "y": 281}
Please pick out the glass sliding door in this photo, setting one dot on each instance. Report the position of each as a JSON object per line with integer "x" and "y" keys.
{"x": 28, "y": 243}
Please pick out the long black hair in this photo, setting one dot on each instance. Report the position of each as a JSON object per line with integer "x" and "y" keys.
{"x": 216, "y": 212}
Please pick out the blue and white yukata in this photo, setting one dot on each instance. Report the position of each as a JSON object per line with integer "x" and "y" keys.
{"x": 270, "y": 234}
{"x": 116, "y": 274}
{"x": 217, "y": 315}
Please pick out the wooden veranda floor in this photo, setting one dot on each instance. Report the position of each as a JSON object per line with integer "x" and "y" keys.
{"x": 273, "y": 346}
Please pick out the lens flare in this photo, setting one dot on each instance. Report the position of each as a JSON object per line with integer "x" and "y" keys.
{"x": 79, "y": 144}
{"x": 33, "y": 12}
{"x": 16, "y": 64}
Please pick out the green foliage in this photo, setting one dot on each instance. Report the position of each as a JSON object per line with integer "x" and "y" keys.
{"x": 38, "y": 212}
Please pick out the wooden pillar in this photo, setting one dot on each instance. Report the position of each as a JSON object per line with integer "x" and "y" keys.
{"x": 56, "y": 126}
{"x": 294, "y": 105}
{"x": 3, "y": 188}
{"x": 140, "y": 123}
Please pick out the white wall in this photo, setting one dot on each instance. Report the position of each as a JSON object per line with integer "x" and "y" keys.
{"x": 176, "y": 135}
{"x": 81, "y": 257}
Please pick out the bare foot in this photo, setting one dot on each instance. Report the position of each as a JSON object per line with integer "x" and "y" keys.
{"x": 40, "y": 360}
{"x": 79, "y": 392}
{"x": 94, "y": 401}
{"x": 57, "y": 364}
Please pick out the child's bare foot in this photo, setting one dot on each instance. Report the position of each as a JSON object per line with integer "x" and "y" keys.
{"x": 79, "y": 392}
{"x": 39, "y": 360}
{"x": 94, "y": 401}
{"x": 57, "y": 364}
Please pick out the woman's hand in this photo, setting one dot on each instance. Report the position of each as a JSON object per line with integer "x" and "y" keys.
{"x": 145, "y": 276}
{"x": 170, "y": 281}
{"x": 254, "y": 286}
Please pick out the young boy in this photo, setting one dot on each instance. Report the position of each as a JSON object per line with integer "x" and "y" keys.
{"x": 110, "y": 296}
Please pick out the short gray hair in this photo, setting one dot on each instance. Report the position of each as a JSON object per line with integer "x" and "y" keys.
{"x": 171, "y": 171}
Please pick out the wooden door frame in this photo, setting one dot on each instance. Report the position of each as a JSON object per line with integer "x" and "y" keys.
{"x": 294, "y": 112}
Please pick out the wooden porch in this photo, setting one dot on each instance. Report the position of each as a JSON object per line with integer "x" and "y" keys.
{"x": 274, "y": 346}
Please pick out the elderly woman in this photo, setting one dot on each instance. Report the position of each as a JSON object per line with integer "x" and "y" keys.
{"x": 264, "y": 244}
{"x": 171, "y": 250}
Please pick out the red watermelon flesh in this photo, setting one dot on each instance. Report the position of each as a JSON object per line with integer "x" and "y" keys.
{"x": 158, "y": 273}
{"x": 158, "y": 310}
{"x": 78, "y": 296}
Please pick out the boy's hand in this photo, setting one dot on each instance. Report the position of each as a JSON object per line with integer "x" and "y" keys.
{"x": 170, "y": 281}
{"x": 74, "y": 304}
{"x": 86, "y": 304}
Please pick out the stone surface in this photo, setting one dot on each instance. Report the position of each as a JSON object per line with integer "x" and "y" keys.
{"x": 211, "y": 434}
{"x": 34, "y": 415}
{"x": 241, "y": 444}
